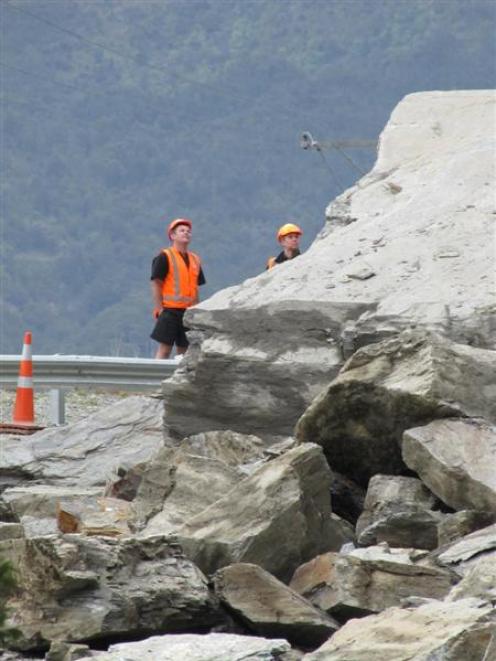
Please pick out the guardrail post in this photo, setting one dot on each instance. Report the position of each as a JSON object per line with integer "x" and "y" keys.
{"x": 57, "y": 406}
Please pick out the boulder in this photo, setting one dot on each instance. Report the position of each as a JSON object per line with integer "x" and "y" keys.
{"x": 270, "y": 608}
{"x": 62, "y": 651}
{"x": 459, "y": 524}
{"x": 398, "y": 510}
{"x": 261, "y": 351}
{"x": 199, "y": 481}
{"x": 107, "y": 517}
{"x": 228, "y": 446}
{"x": 193, "y": 647}
{"x": 367, "y": 581}
{"x": 277, "y": 517}
{"x": 464, "y": 553}
{"x": 386, "y": 388}
{"x": 85, "y": 454}
{"x": 11, "y": 530}
{"x": 43, "y": 500}
{"x": 181, "y": 481}
{"x": 78, "y": 589}
{"x": 479, "y": 581}
{"x": 456, "y": 459}
{"x": 456, "y": 631}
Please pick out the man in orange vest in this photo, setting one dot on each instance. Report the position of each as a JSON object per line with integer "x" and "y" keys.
{"x": 176, "y": 276}
{"x": 289, "y": 237}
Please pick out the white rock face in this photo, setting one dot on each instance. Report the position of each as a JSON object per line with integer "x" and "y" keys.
{"x": 421, "y": 224}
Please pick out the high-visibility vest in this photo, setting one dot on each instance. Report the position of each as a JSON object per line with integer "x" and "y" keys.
{"x": 271, "y": 262}
{"x": 180, "y": 286}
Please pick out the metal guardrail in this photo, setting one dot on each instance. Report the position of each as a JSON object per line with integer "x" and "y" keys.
{"x": 61, "y": 372}
{"x": 90, "y": 371}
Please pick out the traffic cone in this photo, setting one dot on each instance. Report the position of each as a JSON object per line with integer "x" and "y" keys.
{"x": 24, "y": 403}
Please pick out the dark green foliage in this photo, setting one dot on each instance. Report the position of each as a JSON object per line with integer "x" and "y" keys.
{"x": 195, "y": 109}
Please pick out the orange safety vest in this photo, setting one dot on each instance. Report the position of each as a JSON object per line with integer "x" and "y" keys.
{"x": 180, "y": 286}
{"x": 271, "y": 262}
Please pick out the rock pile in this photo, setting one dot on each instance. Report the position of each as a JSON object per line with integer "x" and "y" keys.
{"x": 225, "y": 535}
{"x": 307, "y": 507}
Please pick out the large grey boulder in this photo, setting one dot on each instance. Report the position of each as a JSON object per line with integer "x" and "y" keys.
{"x": 398, "y": 511}
{"x": 194, "y": 647}
{"x": 277, "y": 517}
{"x": 78, "y": 589}
{"x": 270, "y": 608}
{"x": 391, "y": 386}
{"x": 457, "y": 631}
{"x": 367, "y": 581}
{"x": 456, "y": 459}
{"x": 85, "y": 454}
{"x": 262, "y": 350}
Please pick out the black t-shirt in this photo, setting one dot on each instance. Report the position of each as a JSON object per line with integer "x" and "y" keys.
{"x": 160, "y": 268}
{"x": 281, "y": 257}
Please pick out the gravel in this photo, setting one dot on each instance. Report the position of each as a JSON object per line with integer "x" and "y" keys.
{"x": 79, "y": 404}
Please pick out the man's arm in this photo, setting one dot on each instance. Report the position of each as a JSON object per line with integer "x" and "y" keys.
{"x": 156, "y": 287}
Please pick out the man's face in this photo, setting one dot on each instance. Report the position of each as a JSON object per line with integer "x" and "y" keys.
{"x": 181, "y": 234}
{"x": 290, "y": 241}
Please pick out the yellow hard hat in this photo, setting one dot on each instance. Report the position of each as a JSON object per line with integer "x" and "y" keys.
{"x": 288, "y": 228}
{"x": 175, "y": 223}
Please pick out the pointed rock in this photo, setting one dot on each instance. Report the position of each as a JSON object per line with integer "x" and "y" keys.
{"x": 277, "y": 517}
{"x": 270, "y": 608}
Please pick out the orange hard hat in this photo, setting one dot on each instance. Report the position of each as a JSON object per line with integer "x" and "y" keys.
{"x": 175, "y": 223}
{"x": 288, "y": 228}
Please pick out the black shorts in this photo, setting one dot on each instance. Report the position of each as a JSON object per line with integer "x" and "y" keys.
{"x": 169, "y": 328}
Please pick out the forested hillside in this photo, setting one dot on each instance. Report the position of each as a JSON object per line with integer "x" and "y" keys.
{"x": 118, "y": 116}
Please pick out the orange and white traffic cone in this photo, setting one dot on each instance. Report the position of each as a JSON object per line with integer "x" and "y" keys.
{"x": 24, "y": 402}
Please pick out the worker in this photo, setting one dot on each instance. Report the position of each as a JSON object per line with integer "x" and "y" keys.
{"x": 289, "y": 237}
{"x": 176, "y": 276}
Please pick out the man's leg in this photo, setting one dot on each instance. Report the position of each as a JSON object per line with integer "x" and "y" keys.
{"x": 163, "y": 351}
{"x": 181, "y": 350}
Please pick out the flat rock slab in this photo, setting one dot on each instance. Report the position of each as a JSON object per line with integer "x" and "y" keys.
{"x": 389, "y": 387}
{"x": 277, "y": 517}
{"x": 77, "y": 589}
{"x": 193, "y": 647}
{"x": 367, "y": 581}
{"x": 270, "y": 608}
{"x": 85, "y": 454}
{"x": 41, "y": 500}
{"x": 467, "y": 551}
{"x": 456, "y": 459}
{"x": 460, "y": 630}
